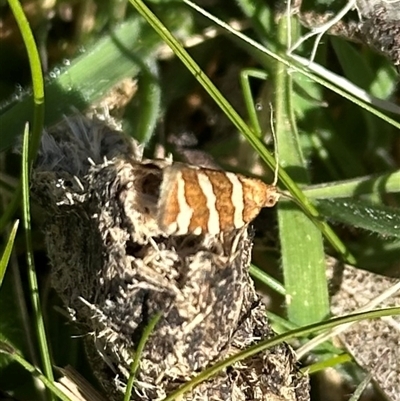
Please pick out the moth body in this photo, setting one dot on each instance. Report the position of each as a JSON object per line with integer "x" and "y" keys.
{"x": 200, "y": 200}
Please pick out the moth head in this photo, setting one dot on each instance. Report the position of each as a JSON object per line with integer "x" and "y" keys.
{"x": 271, "y": 196}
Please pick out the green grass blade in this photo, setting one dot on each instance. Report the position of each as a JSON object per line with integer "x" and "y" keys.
{"x": 301, "y": 242}
{"x": 135, "y": 364}
{"x": 265, "y": 344}
{"x": 37, "y": 74}
{"x": 248, "y": 98}
{"x": 266, "y": 279}
{"x": 329, "y": 363}
{"x": 34, "y": 289}
{"x": 38, "y": 100}
{"x": 361, "y": 388}
{"x": 5, "y": 257}
{"x": 6, "y": 349}
{"x": 148, "y": 102}
{"x": 377, "y": 184}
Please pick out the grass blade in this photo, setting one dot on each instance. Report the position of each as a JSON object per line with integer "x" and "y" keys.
{"x": 5, "y": 257}
{"x": 376, "y": 184}
{"x": 263, "y": 345}
{"x": 6, "y": 349}
{"x": 34, "y": 289}
{"x": 135, "y": 364}
{"x": 36, "y": 71}
{"x": 301, "y": 242}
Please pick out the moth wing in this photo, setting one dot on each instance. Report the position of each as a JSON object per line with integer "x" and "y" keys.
{"x": 175, "y": 207}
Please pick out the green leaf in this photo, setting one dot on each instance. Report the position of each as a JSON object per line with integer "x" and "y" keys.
{"x": 379, "y": 219}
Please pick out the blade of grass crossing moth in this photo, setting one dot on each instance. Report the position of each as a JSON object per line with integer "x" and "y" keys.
{"x": 33, "y": 284}
{"x": 302, "y": 249}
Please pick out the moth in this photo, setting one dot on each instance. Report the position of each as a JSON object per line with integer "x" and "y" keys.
{"x": 197, "y": 200}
